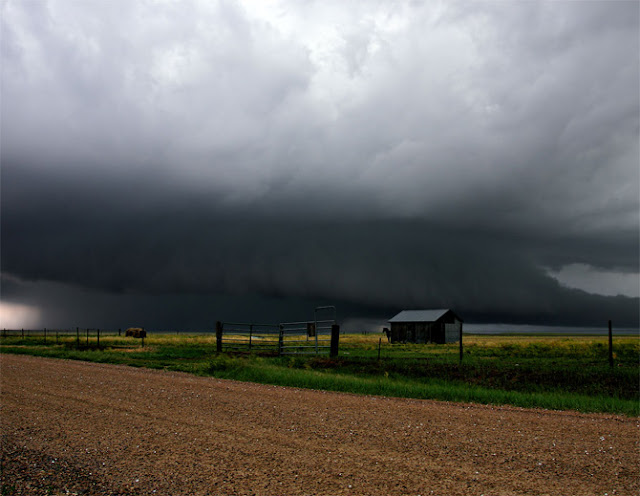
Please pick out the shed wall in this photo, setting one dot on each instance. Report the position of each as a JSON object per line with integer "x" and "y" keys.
{"x": 452, "y": 332}
{"x": 426, "y": 332}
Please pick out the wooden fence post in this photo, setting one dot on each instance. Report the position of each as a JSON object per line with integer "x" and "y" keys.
{"x": 98, "y": 335}
{"x": 335, "y": 341}
{"x": 461, "y": 351}
{"x": 218, "y": 337}
{"x": 45, "y": 335}
{"x": 77, "y": 337}
{"x": 87, "y": 337}
{"x": 280, "y": 340}
{"x": 610, "y": 346}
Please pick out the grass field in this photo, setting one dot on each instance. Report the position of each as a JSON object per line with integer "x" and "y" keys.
{"x": 553, "y": 372}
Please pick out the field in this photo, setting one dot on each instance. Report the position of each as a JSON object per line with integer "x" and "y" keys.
{"x": 552, "y": 372}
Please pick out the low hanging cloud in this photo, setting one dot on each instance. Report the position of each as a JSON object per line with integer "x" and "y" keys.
{"x": 384, "y": 157}
{"x": 596, "y": 281}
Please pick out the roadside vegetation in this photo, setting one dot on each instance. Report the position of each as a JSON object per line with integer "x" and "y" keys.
{"x": 552, "y": 372}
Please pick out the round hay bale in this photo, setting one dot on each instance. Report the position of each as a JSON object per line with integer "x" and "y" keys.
{"x": 134, "y": 332}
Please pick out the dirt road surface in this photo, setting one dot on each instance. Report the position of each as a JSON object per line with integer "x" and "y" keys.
{"x": 79, "y": 428}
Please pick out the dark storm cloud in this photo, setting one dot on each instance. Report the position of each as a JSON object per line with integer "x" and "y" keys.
{"x": 383, "y": 158}
{"x": 371, "y": 267}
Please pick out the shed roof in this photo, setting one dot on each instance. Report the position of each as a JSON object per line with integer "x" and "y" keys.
{"x": 421, "y": 315}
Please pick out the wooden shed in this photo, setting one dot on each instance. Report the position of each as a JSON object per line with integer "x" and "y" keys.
{"x": 425, "y": 326}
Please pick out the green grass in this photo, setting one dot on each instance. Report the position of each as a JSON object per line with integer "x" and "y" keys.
{"x": 552, "y": 372}
{"x": 255, "y": 370}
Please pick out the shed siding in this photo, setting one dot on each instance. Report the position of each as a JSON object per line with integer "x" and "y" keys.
{"x": 445, "y": 330}
{"x": 452, "y": 332}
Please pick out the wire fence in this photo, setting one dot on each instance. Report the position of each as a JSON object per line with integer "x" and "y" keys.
{"x": 80, "y": 337}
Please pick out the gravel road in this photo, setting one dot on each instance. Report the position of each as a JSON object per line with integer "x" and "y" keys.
{"x": 81, "y": 428}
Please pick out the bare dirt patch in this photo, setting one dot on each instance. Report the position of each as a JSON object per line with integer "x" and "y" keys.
{"x": 80, "y": 428}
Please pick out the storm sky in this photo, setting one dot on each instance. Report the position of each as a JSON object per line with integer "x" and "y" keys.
{"x": 169, "y": 164}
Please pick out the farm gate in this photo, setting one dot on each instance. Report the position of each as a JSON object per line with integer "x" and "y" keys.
{"x": 313, "y": 337}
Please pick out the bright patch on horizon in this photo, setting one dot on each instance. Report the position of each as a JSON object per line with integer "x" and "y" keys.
{"x": 17, "y": 316}
{"x": 597, "y": 281}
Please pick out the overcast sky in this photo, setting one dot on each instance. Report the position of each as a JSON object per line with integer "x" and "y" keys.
{"x": 169, "y": 164}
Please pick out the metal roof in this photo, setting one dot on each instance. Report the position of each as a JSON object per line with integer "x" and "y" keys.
{"x": 419, "y": 315}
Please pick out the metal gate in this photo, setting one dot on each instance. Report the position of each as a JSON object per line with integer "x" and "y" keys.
{"x": 311, "y": 337}
{"x": 239, "y": 336}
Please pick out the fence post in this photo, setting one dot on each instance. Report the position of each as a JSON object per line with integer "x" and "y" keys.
{"x": 45, "y": 335}
{"x": 461, "y": 342}
{"x": 379, "y": 347}
{"x": 335, "y": 341}
{"x": 119, "y": 332}
{"x": 87, "y": 337}
{"x": 98, "y": 335}
{"x": 23, "y": 333}
{"x": 77, "y": 337}
{"x": 250, "y": 335}
{"x": 610, "y": 346}
{"x": 57, "y": 337}
{"x": 218, "y": 337}
{"x": 280, "y": 340}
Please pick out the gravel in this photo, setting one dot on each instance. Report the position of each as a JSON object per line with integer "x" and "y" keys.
{"x": 92, "y": 429}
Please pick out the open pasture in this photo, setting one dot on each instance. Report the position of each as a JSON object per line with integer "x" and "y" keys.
{"x": 554, "y": 372}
